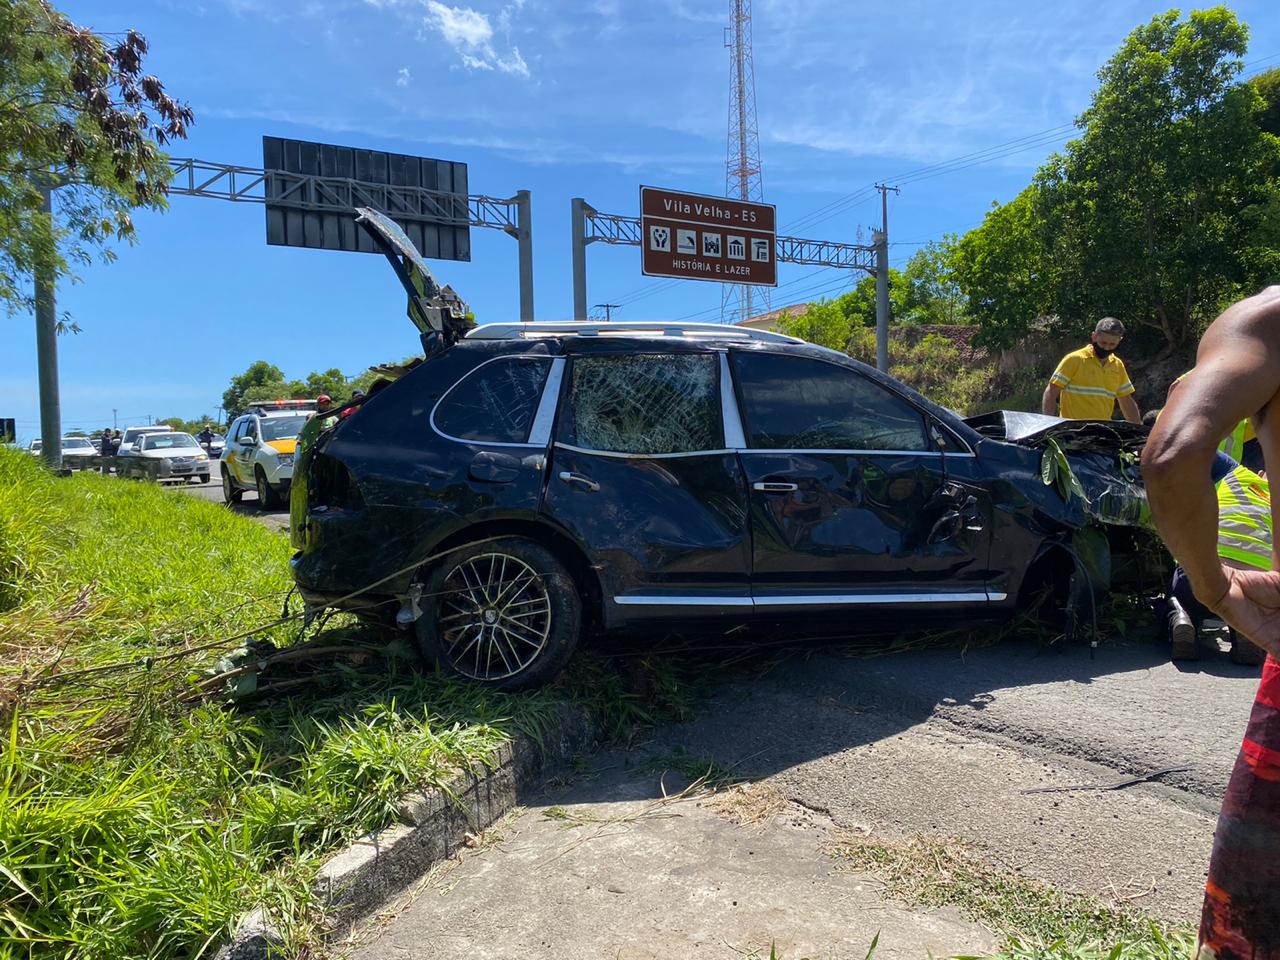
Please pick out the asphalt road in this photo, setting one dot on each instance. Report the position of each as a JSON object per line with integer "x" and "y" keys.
{"x": 248, "y": 506}
{"x": 998, "y": 752}
{"x": 944, "y": 743}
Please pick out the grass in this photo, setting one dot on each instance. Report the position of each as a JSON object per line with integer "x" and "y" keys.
{"x": 140, "y": 813}
{"x": 1034, "y": 919}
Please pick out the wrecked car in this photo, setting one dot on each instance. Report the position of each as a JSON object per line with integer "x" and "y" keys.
{"x": 530, "y": 483}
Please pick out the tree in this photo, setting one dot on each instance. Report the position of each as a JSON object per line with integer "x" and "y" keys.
{"x": 76, "y": 111}
{"x": 1267, "y": 86}
{"x": 331, "y": 382}
{"x": 830, "y": 323}
{"x": 1002, "y": 269}
{"x": 1162, "y": 209}
{"x": 259, "y": 375}
{"x": 1145, "y": 206}
{"x": 933, "y": 294}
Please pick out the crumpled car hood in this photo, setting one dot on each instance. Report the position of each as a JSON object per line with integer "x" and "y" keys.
{"x": 1084, "y": 436}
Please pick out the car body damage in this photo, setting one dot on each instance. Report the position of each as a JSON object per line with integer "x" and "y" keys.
{"x": 526, "y": 482}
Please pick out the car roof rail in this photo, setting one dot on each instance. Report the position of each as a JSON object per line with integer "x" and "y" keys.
{"x": 618, "y": 328}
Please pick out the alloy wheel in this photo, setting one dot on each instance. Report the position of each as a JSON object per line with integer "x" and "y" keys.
{"x": 495, "y": 616}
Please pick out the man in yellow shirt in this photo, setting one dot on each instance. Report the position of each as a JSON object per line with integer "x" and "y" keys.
{"x": 1090, "y": 381}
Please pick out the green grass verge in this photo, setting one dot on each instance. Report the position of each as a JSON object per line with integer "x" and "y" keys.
{"x": 1034, "y": 919}
{"x": 138, "y": 816}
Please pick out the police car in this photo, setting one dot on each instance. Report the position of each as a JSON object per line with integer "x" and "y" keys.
{"x": 259, "y": 450}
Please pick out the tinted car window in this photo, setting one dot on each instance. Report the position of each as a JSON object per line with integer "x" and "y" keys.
{"x": 645, "y": 403}
{"x": 496, "y": 402}
{"x": 795, "y": 403}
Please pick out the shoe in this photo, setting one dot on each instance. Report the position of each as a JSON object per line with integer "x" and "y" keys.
{"x": 1245, "y": 651}
{"x": 1182, "y": 633}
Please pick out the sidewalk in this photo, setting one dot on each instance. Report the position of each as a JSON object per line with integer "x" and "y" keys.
{"x": 643, "y": 877}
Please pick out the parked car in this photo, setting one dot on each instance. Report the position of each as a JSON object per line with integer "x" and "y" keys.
{"x": 259, "y": 450}
{"x": 531, "y": 482}
{"x": 35, "y": 447}
{"x": 78, "y": 453}
{"x": 169, "y": 456}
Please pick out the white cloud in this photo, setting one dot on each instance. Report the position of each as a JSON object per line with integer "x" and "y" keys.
{"x": 464, "y": 29}
{"x": 514, "y": 64}
{"x": 403, "y": 77}
{"x": 470, "y": 32}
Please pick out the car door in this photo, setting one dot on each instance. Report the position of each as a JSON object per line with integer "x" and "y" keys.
{"x": 235, "y": 453}
{"x": 850, "y": 498}
{"x": 642, "y": 479}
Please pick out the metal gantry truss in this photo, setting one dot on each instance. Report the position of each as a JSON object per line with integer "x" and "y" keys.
{"x": 592, "y": 226}
{"x": 229, "y": 181}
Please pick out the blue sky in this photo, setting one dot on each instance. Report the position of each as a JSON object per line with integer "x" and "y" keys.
{"x": 584, "y": 99}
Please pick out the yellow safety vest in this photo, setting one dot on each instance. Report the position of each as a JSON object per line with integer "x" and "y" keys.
{"x": 1244, "y": 518}
{"x": 1233, "y": 446}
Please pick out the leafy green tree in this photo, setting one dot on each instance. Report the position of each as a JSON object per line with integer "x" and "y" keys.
{"x": 331, "y": 382}
{"x": 1003, "y": 271}
{"x": 824, "y": 323}
{"x": 1267, "y": 86}
{"x": 77, "y": 111}
{"x": 259, "y": 376}
{"x": 933, "y": 294}
{"x": 1158, "y": 213}
{"x": 1145, "y": 206}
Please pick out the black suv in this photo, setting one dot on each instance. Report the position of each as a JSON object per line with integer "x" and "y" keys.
{"x": 528, "y": 482}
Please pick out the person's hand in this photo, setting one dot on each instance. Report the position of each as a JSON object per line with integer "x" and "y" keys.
{"x": 1251, "y": 606}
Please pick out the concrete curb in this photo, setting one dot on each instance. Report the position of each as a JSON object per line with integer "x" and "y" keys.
{"x": 435, "y": 824}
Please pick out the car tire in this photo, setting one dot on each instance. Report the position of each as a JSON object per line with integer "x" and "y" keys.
{"x": 204, "y": 478}
{"x": 230, "y": 492}
{"x": 487, "y": 604}
{"x": 268, "y": 498}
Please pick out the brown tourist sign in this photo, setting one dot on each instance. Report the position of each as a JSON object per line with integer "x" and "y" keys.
{"x": 693, "y": 237}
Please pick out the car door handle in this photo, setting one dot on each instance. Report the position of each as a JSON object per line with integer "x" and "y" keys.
{"x": 587, "y": 482}
{"x": 772, "y": 486}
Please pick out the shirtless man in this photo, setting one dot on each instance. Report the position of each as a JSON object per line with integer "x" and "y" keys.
{"x": 1237, "y": 375}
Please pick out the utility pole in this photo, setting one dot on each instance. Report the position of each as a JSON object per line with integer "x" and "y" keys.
{"x": 115, "y": 423}
{"x": 524, "y": 236}
{"x": 47, "y": 349}
{"x": 608, "y": 309}
{"x": 578, "y": 222}
{"x": 882, "y": 280}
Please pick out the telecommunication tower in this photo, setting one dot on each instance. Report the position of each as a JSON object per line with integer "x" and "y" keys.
{"x": 742, "y": 170}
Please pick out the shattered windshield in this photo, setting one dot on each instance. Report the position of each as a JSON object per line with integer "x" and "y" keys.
{"x": 646, "y": 403}
{"x": 496, "y": 402}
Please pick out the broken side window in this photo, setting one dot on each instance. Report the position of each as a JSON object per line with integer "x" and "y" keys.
{"x": 794, "y": 403}
{"x": 645, "y": 403}
{"x": 494, "y": 403}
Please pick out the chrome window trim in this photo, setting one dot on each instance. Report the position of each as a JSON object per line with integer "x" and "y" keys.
{"x": 545, "y": 418}
{"x": 510, "y": 357}
{"x": 862, "y": 453}
{"x": 782, "y": 600}
{"x": 734, "y": 437}
{"x": 924, "y": 414}
{"x": 724, "y": 427}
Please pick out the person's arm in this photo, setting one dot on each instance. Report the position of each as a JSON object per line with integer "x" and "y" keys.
{"x": 1237, "y": 374}
{"x": 1129, "y": 407}
{"x": 1058, "y": 381}
{"x": 1049, "y": 402}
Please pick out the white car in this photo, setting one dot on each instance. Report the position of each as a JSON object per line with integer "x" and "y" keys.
{"x": 131, "y": 435}
{"x": 259, "y": 451}
{"x": 166, "y": 456}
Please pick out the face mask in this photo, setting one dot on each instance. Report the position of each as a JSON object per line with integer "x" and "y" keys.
{"x": 1102, "y": 354}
